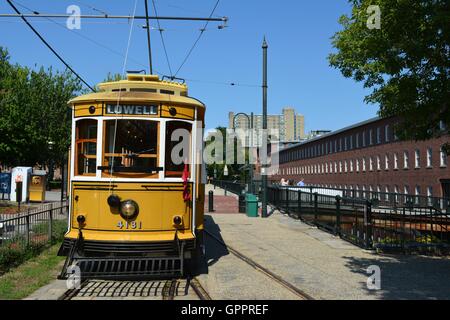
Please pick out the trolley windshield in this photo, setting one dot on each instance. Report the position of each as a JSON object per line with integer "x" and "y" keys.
{"x": 131, "y": 146}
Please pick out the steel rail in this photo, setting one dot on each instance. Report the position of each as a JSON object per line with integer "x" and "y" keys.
{"x": 170, "y": 289}
{"x": 298, "y": 292}
{"x": 198, "y": 289}
{"x": 71, "y": 293}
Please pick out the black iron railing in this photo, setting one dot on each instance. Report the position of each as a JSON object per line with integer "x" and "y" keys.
{"x": 387, "y": 199}
{"x": 33, "y": 227}
{"x": 235, "y": 187}
{"x": 365, "y": 222}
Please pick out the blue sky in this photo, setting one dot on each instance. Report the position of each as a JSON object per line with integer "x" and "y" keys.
{"x": 298, "y": 33}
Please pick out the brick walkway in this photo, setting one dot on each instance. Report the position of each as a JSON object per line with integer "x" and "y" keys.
{"x": 223, "y": 204}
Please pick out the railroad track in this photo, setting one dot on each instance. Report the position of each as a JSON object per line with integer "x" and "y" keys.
{"x": 298, "y": 292}
{"x": 153, "y": 290}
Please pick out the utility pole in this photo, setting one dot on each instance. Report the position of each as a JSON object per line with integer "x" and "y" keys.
{"x": 264, "y": 135}
{"x": 250, "y": 155}
{"x": 148, "y": 38}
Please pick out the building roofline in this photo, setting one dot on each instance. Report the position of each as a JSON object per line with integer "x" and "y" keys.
{"x": 327, "y": 135}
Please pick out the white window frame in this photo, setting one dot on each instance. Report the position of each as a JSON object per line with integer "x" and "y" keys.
{"x": 443, "y": 158}
{"x": 429, "y": 157}
{"x": 405, "y": 160}
{"x": 417, "y": 159}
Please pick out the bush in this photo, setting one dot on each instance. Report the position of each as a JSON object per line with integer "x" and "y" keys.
{"x": 59, "y": 229}
{"x": 15, "y": 252}
{"x": 55, "y": 184}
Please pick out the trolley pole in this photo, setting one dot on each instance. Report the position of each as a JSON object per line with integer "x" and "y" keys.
{"x": 264, "y": 135}
{"x": 148, "y": 38}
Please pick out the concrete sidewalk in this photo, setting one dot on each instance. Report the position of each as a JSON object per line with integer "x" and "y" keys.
{"x": 325, "y": 266}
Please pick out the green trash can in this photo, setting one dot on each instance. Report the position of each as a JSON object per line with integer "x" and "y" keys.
{"x": 251, "y": 205}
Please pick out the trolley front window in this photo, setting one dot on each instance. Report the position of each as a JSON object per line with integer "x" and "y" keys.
{"x": 86, "y": 147}
{"x": 131, "y": 146}
{"x": 178, "y": 145}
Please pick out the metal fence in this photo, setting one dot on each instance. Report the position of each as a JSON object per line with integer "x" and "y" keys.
{"x": 366, "y": 223}
{"x": 34, "y": 227}
{"x": 231, "y": 186}
{"x": 386, "y": 199}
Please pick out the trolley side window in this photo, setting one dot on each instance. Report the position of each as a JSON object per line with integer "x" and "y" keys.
{"x": 86, "y": 147}
{"x": 178, "y": 148}
{"x": 131, "y": 146}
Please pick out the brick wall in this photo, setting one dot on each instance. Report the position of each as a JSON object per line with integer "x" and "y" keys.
{"x": 315, "y": 170}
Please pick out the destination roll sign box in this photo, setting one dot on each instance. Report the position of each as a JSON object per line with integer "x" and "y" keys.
{"x": 131, "y": 109}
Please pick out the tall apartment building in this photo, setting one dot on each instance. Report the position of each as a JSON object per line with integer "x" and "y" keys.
{"x": 289, "y": 125}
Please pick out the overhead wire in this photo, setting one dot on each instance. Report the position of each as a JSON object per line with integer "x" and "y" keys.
{"x": 49, "y": 46}
{"x": 162, "y": 38}
{"x": 198, "y": 39}
{"x": 86, "y": 37}
{"x": 93, "y": 8}
{"x": 119, "y": 95}
{"x": 232, "y": 84}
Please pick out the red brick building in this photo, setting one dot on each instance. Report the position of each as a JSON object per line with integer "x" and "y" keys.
{"x": 369, "y": 157}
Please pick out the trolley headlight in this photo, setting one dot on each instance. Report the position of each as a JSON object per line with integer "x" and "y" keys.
{"x": 129, "y": 209}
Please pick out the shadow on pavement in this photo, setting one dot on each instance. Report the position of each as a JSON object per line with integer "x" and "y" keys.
{"x": 407, "y": 277}
{"x": 214, "y": 249}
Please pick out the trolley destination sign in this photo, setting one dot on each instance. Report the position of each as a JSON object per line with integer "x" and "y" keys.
{"x": 131, "y": 109}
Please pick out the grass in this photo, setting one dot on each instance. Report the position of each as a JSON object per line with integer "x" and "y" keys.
{"x": 15, "y": 252}
{"x": 22, "y": 281}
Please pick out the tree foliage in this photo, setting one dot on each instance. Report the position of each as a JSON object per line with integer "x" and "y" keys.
{"x": 34, "y": 115}
{"x": 112, "y": 77}
{"x": 235, "y": 170}
{"x": 406, "y": 62}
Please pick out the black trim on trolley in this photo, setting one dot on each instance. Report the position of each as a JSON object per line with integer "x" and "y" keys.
{"x": 95, "y": 185}
{"x": 106, "y": 183}
{"x": 108, "y": 248}
{"x": 119, "y": 169}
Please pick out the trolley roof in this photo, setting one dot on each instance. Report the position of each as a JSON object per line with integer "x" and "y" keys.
{"x": 140, "y": 88}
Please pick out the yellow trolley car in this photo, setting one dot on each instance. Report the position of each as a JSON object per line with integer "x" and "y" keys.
{"x": 136, "y": 209}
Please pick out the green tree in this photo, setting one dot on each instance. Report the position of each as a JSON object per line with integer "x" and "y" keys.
{"x": 111, "y": 77}
{"x": 235, "y": 171}
{"x": 34, "y": 115}
{"x": 406, "y": 62}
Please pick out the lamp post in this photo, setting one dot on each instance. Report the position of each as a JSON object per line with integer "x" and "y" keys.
{"x": 264, "y": 127}
{"x": 250, "y": 125}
